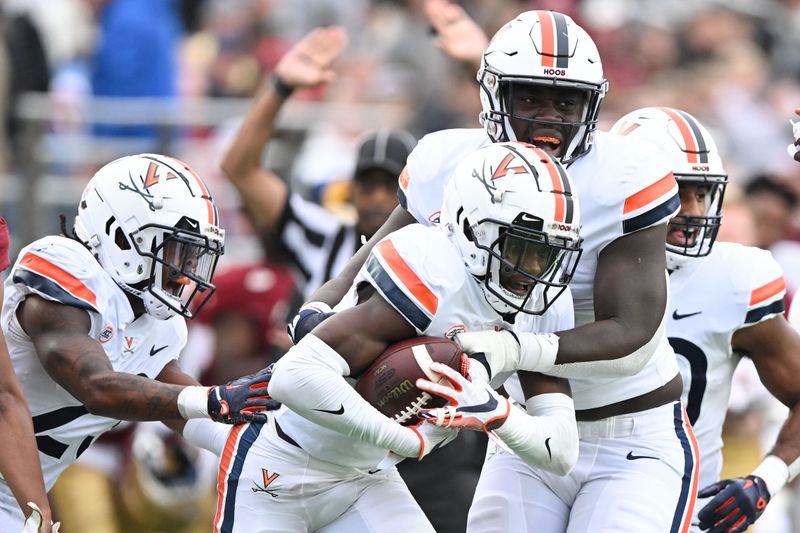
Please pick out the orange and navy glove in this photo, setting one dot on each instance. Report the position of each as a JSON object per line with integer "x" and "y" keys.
{"x": 242, "y": 400}
{"x": 736, "y": 504}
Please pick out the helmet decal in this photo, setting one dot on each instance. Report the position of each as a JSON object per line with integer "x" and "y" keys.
{"x": 509, "y": 210}
{"x": 693, "y": 142}
{"x": 555, "y": 39}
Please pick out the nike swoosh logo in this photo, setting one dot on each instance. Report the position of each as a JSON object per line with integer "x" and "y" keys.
{"x": 678, "y": 316}
{"x": 154, "y": 351}
{"x": 489, "y": 405}
{"x": 547, "y": 445}
{"x": 631, "y": 457}
{"x": 338, "y": 411}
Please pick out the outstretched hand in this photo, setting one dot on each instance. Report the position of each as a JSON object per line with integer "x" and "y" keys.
{"x": 308, "y": 63}
{"x": 245, "y": 399}
{"x": 459, "y": 36}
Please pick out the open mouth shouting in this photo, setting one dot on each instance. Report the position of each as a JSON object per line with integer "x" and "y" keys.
{"x": 549, "y": 140}
{"x": 518, "y": 285}
{"x": 683, "y": 236}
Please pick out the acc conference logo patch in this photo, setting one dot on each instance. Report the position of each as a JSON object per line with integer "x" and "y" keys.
{"x": 106, "y": 334}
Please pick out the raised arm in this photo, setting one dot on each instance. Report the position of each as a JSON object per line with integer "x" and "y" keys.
{"x": 306, "y": 64}
{"x": 458, "y": 35}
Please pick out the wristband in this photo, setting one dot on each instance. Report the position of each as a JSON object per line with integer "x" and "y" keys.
{"x": 538, "y": 351}
{"x": 283, "y": 89}
{"x": 318, "y": 306}
{"x": 193, "y": 402}
{"x": 774, "y": 472}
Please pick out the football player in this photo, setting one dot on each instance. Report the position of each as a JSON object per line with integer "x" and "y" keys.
{"x": 541, "y": 81}
{"x": 19, "y": 465}
{"x": 726, "y": 302}
{"x": 506, "y": 251}
{"x": 94, "y": 322}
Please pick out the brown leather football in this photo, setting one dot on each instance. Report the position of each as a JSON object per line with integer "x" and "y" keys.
{"x": 389, "y": 383}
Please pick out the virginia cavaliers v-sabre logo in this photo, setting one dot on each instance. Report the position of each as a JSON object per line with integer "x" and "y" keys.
{"x": 152, "y": 177}
{"x": 268, "y": 479}
{"x": 504, "y": 169}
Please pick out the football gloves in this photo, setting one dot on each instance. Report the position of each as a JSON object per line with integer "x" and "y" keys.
{"x": 735, "y": 505}
{"x": 309, "y": 316}
{"x": 433, "y": 437}
{"x": 474, "y": 405}
{"x": 34, "y": 522}
{"x": 242, "y": 400}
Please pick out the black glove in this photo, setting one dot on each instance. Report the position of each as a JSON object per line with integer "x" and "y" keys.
{"x": 242, "y": 400}
{"x": 736, "y": 504}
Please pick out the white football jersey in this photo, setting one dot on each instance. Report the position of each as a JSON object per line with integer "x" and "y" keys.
{"x": 62, "y": 270}
{"x": 711, "y": 298}
{"x": 421, "y": 274}
{"x": 623, "y": 185}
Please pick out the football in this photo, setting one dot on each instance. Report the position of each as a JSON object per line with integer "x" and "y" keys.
{"x": 389, "y": 383}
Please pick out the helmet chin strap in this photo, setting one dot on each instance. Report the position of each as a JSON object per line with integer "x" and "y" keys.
{"x": 152, "y": 305}
{"x": 676, "y": 261}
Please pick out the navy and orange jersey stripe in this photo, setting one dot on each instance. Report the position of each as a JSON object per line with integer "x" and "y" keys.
{"x": 50, "y": 279}
{"x": 213, "y": 216}
{"x": 240, "y": 440}
{"x": 555, "y": 39}
{"x": 766, "y": 300}
{"x": 655, "y": 202}
{"x": 682, "y": 518}
{"x": 694, "y": 144}
{"x": 401, "y": 286}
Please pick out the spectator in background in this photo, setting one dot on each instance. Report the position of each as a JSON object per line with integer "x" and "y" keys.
{"x": 23, "y": 67}
{"x": 136, "y": 55}
{"x": 313, "y": 240}
{"x": 19, "y": 462}
{"x": 774, "y": 205}
{"x": 247, "y": 317}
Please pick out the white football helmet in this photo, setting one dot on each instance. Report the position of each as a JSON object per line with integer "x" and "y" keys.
{"x": 150, "y": 221}
{"x": 695, "y": 160}
{"x": 510, "y": 210}
{"x": 543, "y": 48}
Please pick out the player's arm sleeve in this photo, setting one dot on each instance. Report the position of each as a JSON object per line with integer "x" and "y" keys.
{"x": 309, "y": 380}
{"x": 547, "y": 436}
{"x": 403, "y": 280}
{"x": 58, "y": 277}
{"x": 650, "y": 189}
{"x": 206, "y": 434}
{"x": 766, "y": 290}
{"x": 419, "y": 191}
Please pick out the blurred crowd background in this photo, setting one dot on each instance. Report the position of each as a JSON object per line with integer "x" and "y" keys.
{"x": 85, "y": 81}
